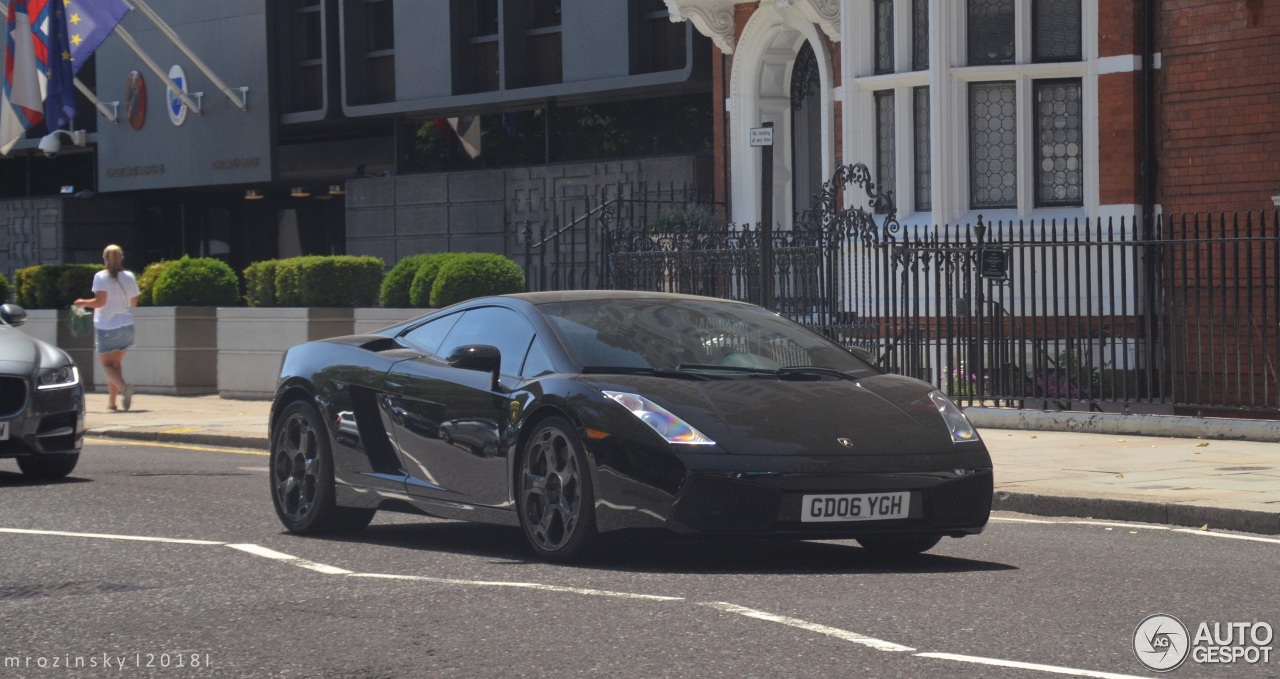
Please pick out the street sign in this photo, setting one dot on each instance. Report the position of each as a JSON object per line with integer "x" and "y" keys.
{"x": 762, "y": 136}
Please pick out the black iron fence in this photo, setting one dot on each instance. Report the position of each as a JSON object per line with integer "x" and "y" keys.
{"x": 1179, "y": 314}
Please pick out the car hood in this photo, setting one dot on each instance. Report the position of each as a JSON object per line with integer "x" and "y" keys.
{"x": 19, "y": 352}
{"x": 883, "y": 414}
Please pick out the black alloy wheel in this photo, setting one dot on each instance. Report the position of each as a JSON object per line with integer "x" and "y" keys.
{"x": 48, "y": 467}
{"x": 302, "y": 483}
{"x": 554, "y": 493}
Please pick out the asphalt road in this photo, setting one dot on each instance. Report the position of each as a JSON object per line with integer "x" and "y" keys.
{"x": 217, "y": 589}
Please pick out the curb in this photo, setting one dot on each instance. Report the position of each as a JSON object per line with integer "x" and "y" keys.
{"x": 1267, "y": 431}
{"x": 1142, "y": 511}
{"x": 220, "y": 440}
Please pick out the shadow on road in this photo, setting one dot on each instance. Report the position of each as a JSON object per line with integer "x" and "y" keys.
{"x": 652, "y": 554}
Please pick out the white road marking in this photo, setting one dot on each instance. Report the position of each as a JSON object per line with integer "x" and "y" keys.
{"x": 258, "y": 550}
{"x": 1232, "y": 536}
{"x": 106, "y": 536}
{"x": 525, "y": 585}
{"x": 870, "y": 642}
{"x": 1026, "y": 666}
{"x": 1113, "y": 524}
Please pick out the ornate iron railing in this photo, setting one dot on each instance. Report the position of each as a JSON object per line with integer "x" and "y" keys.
{"x": 1181, "y": 314}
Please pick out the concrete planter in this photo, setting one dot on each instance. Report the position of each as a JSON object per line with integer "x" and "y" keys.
{"x": 175, "y": 352}
{"x": 368, "y": 320}
{"x": 251, "y": 341}
{"x": 51, "y": 326}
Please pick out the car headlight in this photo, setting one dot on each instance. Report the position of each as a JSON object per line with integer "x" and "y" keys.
{"x": 58, "y": 378}
{"x": 957, "y": 423}
{"x": 668, "y": 426}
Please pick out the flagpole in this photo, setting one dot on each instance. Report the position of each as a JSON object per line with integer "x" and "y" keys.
{"x": 127, "y": 37}
{"x": 241, "y": 102}
{"x": 93, "y": 98}
{"x": 84, "y": 89}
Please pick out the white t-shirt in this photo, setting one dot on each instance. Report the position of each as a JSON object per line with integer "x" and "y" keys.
{"x": 121, "y": 290}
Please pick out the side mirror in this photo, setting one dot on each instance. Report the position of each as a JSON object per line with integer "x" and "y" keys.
{"x": 863, "y": 354}
{"x": 481, "y": 357}
{"x": 12, "y": 314}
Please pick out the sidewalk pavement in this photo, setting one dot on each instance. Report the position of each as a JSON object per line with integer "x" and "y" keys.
{"x": 1225, "y": 484}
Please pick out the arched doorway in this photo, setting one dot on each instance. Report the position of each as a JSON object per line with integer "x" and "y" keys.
{"x": 806, "y": 131}
{"x": 781, "y": 59}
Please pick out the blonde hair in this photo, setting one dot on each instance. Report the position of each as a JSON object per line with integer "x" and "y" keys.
{"x": 113, "y": 258}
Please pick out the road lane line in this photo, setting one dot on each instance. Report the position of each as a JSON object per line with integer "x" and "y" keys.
{"x": 1112, "y": 524}
{"x": 523, "y": 585}
{"x": 995, "y": 662}
{"x": 1232, "y": 536}
{"x": 870, "y": 642}
{"x": 258, "y": 550}
{"x": 106, "y": 536}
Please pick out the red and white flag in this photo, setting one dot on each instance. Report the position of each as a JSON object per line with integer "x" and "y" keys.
{"x": 22, "y": 101}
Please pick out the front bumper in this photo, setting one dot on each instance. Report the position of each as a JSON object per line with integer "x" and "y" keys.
{"x": 947, "y": 503}
{"x": 44, "y": 422}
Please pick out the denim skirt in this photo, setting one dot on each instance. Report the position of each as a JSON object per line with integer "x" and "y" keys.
{"x": 108, "y": 341}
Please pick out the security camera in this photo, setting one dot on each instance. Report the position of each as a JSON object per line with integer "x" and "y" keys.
{"x": 50, "y": 145}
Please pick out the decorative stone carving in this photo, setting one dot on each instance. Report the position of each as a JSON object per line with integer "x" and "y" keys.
{"x": 824, "y": 13}
{"x": 712, "y": 18}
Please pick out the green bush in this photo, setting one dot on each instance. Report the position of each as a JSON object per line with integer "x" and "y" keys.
{"x": 395, "y": 285}
{"x": 53, "y": 286}
{"x": 147, "y": 281}
{"x": 260, "y": 283}
{"x": 692, "y": 218}
{"x": 4, "y": 289}
{"x": 475, "y": 275}
{"x": 332, "y": 281}
{"x": 425, "y": 278}
{"x": 203, "y": 281}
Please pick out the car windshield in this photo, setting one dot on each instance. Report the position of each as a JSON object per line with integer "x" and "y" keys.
{"x": 704, "y": 337}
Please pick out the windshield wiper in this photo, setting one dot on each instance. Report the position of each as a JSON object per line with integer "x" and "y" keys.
{"x": 807, "y": 370}
{"x": 635, "y": 370}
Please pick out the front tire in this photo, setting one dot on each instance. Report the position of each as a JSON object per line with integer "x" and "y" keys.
{"x": 554, "y": 493}
{"x": 302, "y": 482}
{"x": 898, "y": 546}
{"x": 48, "y": 467}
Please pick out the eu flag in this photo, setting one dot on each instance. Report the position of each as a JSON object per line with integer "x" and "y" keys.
{"x": 89, "y": 22}
{"x": 60, "y": 94}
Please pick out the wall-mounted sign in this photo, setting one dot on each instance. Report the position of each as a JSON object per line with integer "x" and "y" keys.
{"x": 762, "y": 136}
{"x": 135, "y": 100}
{"x": 177, "y": 107}
{"x": 994, "y": 263}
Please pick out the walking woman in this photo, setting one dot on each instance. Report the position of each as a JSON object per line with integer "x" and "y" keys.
{"x": 115, "y": 294}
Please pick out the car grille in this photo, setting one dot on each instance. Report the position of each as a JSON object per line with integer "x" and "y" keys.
{"x": 711, "y": 503}
{"x": 13, "y": 395}
{"x": 962, "y": 502}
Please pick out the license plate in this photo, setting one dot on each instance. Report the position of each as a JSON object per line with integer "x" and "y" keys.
{"x": 4, "y": 431}
{"x": 862, "y": 507}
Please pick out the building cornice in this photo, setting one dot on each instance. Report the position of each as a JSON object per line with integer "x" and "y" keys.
{"x": 712, "y": 18}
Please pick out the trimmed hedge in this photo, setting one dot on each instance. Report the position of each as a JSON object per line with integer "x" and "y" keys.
{"x": 425, "y": 277}
{"x": 476, "y": 274}
{"x": 202, "y": 281}
{"x": 332, "y": 281}
{"x": 147, "y": 281}
{"x": 395, "y": 285}
{"x": 53, "y": 286}
{"x": 260, "y": 283}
